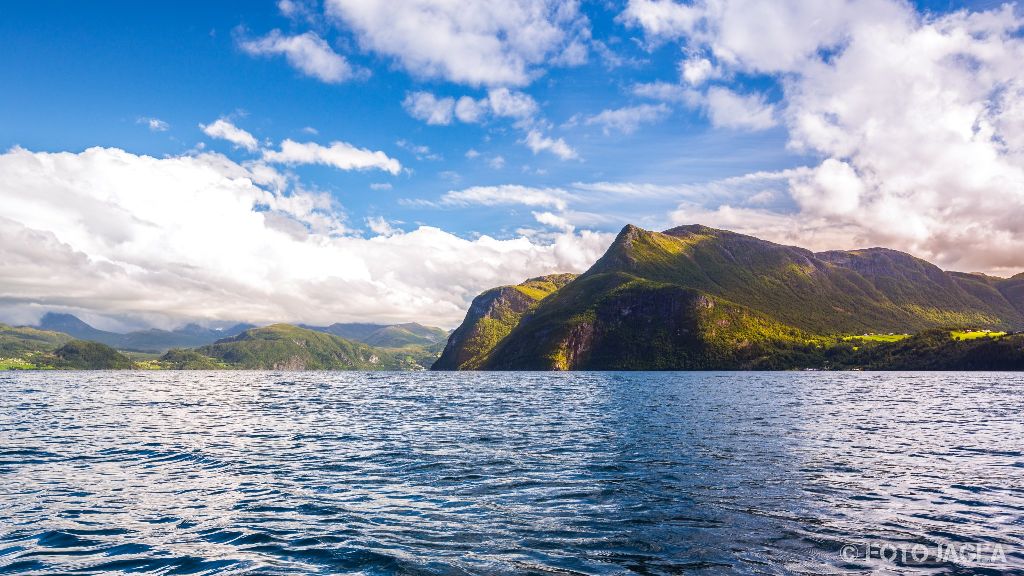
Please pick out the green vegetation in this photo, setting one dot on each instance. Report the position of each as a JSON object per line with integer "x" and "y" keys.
{"x": 698, "y": 298}
{"x": 16, "y": 342}
{"x": 85, "y": 355}
{"x": 866, "y": 338}
{"x": 938, "y": 350}
{"x": 491, "y": 317}
{"x": 975, "y": 334}
{"x": 179, "y": 359}
{"x": 286, "y": 347}
{"x": 16, "y": 364}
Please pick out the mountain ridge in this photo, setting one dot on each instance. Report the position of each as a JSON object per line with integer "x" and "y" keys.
{"x": 695, "y": 297}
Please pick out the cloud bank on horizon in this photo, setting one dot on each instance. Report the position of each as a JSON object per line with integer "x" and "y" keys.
{"x": 394, "y": 174}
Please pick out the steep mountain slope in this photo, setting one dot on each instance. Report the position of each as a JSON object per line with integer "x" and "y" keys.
{"x": 696, "y": 297}
{"x": 491, "y": 317}
{"x": 615, "y": 321}
{"x": 286, "y": 347}
{"x": 74, "y": 327}
{"x": 830, "y": 292}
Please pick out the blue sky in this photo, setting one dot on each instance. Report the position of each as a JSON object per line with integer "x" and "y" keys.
{"x": 85, "y": 77}
{"x": 756, "y": 136}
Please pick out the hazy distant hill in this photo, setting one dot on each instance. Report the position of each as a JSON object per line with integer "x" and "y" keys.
{"x": 695, "y": 297}
{"x": 386, "y": 335}
{"x": 153, "y": 340}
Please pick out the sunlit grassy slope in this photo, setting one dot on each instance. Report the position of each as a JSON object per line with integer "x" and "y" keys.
{"x": 694, "y": 297}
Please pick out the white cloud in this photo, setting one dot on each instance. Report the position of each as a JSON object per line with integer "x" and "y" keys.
{"x": 661, "y": 19}
{"x": 627, "y": 120}
{"x": 381, "y": 227}
{"x": 154, "y": 124}
{"x": 194, "y": 237}
{"x": 225, "y": 130}
{"x": 668, "y": 92}
{"x": 475, "y": 42}
{"x": 510, "y": 104}
{"x": 470, "y": 110}
{"x": 554, "y": 221}
{"x": 917, "y": 120}
{"x": 498, "y": 162}
{"x": 507, "y": 195}
{"x": 696, "y": 70}
{"x": 420, "y": 151}
{"x": 759, "y": 36}
{"x": 727, "y": 109}
{"x": 429, "y": 108}
{"x": 538, "y": 142}
{"x": 307, "y": 52}
{"x": 472, "y": 153}
{"x": 340, "y": 155}
{"x": 380, "y": 186}
{"x": 500, "y": 102}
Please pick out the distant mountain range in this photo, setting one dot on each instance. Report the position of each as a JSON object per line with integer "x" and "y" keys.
{"x": 689, "y": 298}
{"x": 699, "y": 298}
{"x": 153, "y": 340}
{"x": 65, "y": 341}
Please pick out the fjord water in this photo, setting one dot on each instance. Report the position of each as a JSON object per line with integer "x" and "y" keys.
{"x": 492, "y": 473}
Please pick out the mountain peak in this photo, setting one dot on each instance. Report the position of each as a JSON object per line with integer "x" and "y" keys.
{"x": 53, "y": 319}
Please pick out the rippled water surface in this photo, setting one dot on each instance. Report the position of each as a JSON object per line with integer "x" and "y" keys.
{"x": 510, "y": 473}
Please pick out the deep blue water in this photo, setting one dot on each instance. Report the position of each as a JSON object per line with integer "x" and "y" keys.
{"x": 509, "y": 473}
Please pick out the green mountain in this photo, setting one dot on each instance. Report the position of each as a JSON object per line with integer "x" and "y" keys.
{"x": 491, "y": 317}
{"x": 695, "y": 297}
{"x": 85, "y": 355}
{"x": 15, "y": 342}
{"x": 287, "y": 347}
{"x": 386, "y": 335}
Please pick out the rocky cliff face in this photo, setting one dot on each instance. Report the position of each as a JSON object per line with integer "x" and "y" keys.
{"x": 491, "y": 316}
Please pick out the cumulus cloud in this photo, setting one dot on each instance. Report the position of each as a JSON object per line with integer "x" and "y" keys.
{"x": 223, "y": 129}
{"x": 474, "y": 42}
{"x": 727, "y": 109}
{"x": 340, "y": 155}
{"x": 627, "y": 120}
{"x": 510, "y": 104}
{"x": 553, "y": 220}
{"x": 470, "y": 110}
{"x": 915, "y": 121}
{"x": 500, "y": 103}
{"x": 196, "y": 237}
{"x": 661, "y": 19}
{"x": 696, "y": 70}
{"x": 517, "y": 106}
{"x": 538, "y": 142}
{"x": 429, "y": 108}
{"x": 307, "y": 53}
